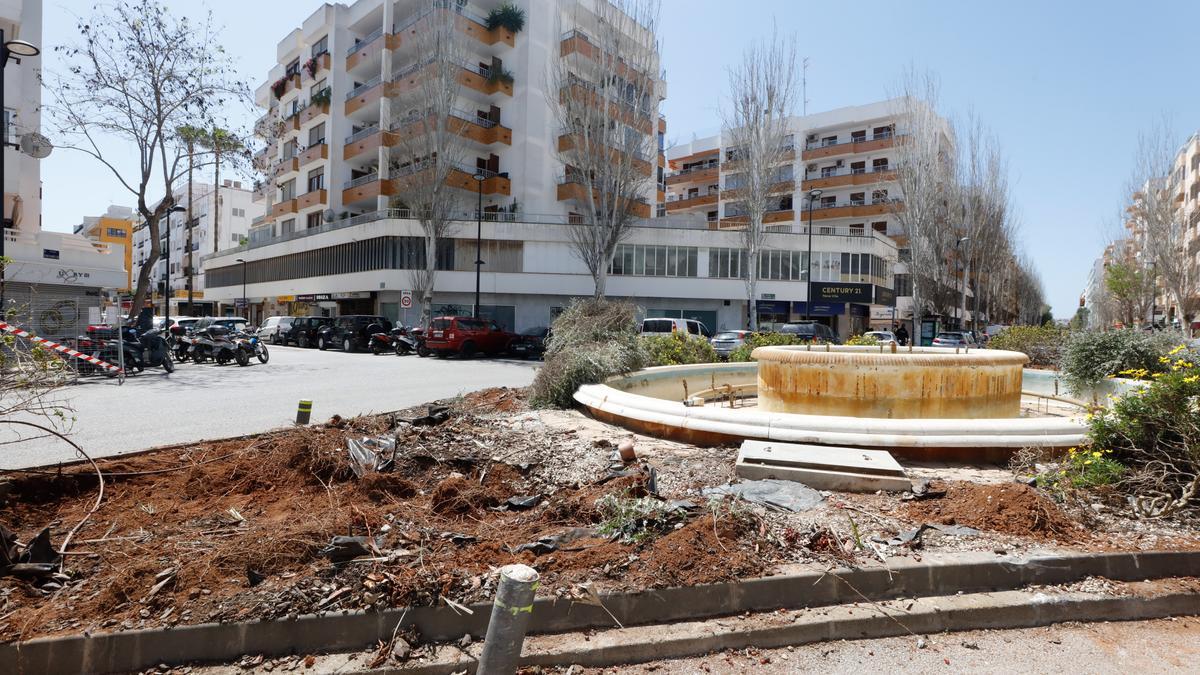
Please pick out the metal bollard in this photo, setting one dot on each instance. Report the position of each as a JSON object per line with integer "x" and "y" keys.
{"x": 303, "y": 411}
{"x": 510, "y": 617}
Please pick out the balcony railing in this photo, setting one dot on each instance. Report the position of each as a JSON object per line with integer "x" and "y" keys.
{"x": 460, "y": 11}
{"x": 847, "y": 171}
{"x": 363, "y": 88}
{"x": 697, "y": 195}
{"x": 361, "y": 180}
{"x": 816, "y": 145}
{"x": 694, "y": 169}
{"x": 375, "y": 35}
{"x": 472, "y": 118}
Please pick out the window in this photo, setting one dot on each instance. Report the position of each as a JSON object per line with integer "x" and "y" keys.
{"x": 316, "y": 135}
{"x": 880, "y": 226}
{"x": 288, "y": 190}
{"x": 288, "y": 226}
{"x": 239, "y": 213}
{"x": 316, "y": 179}
{"x": 784, "y": 203}
{"x": 883, "y": 132}
{"x": 858, "y": 136}
{"x": 903, "y": 285}
{"x": 858, "y": 198}
{"x": 320, "y": 46}
{"x": 317, "y": 88}
{"x": 828, "y": 202}
{"x": 858, "y": 167}
{"x": 711, "y": 216}
{"x": 654, "y": 261}
{"x": 782, "y": 265}
{"x": 828, "y": 140}
{"x": 116, "y": 232}
{"x": 726, "y": 263}
{"x": 289, "y": 149}
{"x": 827, "y": 171}
{"x": 9, "y": 126}
{"x": 235, "y": 238}
{"x": 293, "y": 68}
{"x": 879, "y": 164}
{"x": 312, "y": 220}
{"x": 879, "y": 196}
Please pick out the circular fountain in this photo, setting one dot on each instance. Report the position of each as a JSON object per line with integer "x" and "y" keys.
{"x": 925, "y": 382}
{"x": 920, "y": 403}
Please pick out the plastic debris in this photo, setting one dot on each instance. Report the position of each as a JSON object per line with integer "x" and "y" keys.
{"x": 784, "y": 495}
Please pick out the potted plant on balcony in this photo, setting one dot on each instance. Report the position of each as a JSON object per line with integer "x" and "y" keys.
{"x": 500, "y": 75}
{"x": 311, "y": 66}
{"x": 507, "y": 16}
{"x": 279, "y": 86}
{"x": 320, "y": 98}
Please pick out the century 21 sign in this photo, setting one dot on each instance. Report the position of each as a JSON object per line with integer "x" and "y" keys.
{"x": 843, "y": 292}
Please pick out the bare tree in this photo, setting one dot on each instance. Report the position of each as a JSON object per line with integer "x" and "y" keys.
{"x": 925, "y": 177}
{"x": 1156, "y": 216}
{"x": 137, "y": 76}
{"x": 605, "y": 96}
{"x": 983, "y": 202}
{"x": 430, "y": 147}
{"x": 761, "y": 98}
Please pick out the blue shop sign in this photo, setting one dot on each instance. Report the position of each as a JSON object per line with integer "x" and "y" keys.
{"x": 771, "y": 306}
{"x": 819, "y": 308}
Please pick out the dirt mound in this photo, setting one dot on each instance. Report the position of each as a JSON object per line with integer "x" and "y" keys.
{"x": 496, "y": 399}
{"x": 1011, "y": 508}
{"x": 704, "y": 551}
{"x": 459, "y": 496}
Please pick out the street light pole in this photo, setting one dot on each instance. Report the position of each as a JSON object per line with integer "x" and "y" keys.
{"x": 808, "y": 299}
{"x": 167, "y": 269}
{"x": 10, "y": 49}
{"x": 962, "y": 296}
{"x": 245, "y": 301}
{"x": 479, "y": 178}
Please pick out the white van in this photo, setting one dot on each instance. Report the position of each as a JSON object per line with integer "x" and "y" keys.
{"x": 658, "y": 326}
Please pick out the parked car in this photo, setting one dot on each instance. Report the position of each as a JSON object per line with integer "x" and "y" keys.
{"x": 305, "y": 328}
{"x": 954, "y": 338}
{"x": 659, "y": 325}
{"x": 882, "y": 335}
{"x": 350, "y": 332}
{"x": 275, "y": 329}
{"x": 724, "y": 342}
{"x": 467, "y": 336}
{"x": 531, "y": 343}
{"x": 810, "y": 330}
{"x": 233, "y": 324}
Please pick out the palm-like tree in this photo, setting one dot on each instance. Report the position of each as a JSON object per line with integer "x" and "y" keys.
{"x": 220, "y": 142}
{"x": 190, "y": 136}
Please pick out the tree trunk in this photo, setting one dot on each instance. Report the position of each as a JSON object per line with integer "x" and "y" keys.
{"x": 601, "y": 281}
{"x": 751, "y": 291}
{"x": 216, "y": 197}
{"x": 190, "y": 283}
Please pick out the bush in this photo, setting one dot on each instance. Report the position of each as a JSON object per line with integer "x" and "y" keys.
{"x": 764, "y": 340}
{"x": 1155, "y": 432}
{"x": 1091, "y": 356}
{"x": 677, "y": 349}
{"x": 1042, "y": 344}
{"x": 1081, "y": 470}
{"x": 507, "y": 16}
{"x": 863, "y": 341}
{"x": 589, "y": 342}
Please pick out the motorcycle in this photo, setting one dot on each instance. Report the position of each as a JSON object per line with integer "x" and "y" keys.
{"x": 405, "y": 343}
{"x": 183, "y": 343}
{"x": 252, "y": 345}
{"x": 151, "y": 349}
{"x": 417, "y": 335}
{"x": 381, "y": 340}
{"x": 138, "y": 351}
{"x": 213, "y": 343}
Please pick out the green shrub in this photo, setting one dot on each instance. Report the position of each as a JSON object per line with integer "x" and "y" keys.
{"x": 1042, "y": 344}
{"x": 1155, "y": 432}
{"x": 589, "y": 342}
{"x": 675, "y": 349}
{"x": 507, "y": 16}
{"x": 863, "y": 341}
{"x": 500, "y": 75}
{"x": 1091, "y": 356}
{"x": 1082, "y": 469}
{"x": 757, "y": 340}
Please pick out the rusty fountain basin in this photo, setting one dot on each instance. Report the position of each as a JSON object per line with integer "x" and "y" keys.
{"x": 916, "y": 383}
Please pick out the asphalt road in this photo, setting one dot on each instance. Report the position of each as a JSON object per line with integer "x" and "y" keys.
{"x": 200, "y": 402}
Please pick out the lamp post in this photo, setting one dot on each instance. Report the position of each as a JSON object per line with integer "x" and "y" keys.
{"x": 11, "y": 49}
{"x": 245, "y": 302}
{"x": 1153, "y": 292}
{"x": 479, "y": 178}
{"x": 812, "y": 197}
{"x": 962, "y": 297}
{"x": 167, "y": 269}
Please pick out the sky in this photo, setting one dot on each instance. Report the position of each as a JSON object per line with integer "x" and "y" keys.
{"x": 1065, "y": 87}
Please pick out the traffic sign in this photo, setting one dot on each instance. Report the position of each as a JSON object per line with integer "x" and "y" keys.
{"x": 406, "y": 301}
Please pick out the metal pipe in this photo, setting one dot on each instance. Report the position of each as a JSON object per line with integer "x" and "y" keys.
{"x": 511, "y": 612}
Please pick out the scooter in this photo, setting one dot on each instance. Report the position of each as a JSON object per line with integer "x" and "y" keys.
{"x": 183, "y": 343}
{"x": 252, "y": 345}
{"x": 417, "y": 335}
{"x": 151, "y": 349}
{"x": 405, "y": 343}
{"x": 213, "y": 343}
{"x": 381, "y": 340}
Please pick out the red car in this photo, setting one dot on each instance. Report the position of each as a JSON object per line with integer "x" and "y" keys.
{"x": 466, "y": 336}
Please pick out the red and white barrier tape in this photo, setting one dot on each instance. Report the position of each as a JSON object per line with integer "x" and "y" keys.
{"x": 63, "y": 349}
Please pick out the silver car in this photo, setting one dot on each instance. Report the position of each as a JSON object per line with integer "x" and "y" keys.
{"x": 726, "y": 341}
{"x": 954, "y": 338}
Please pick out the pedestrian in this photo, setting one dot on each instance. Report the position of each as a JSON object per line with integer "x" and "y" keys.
{"x": 902, "y": 335}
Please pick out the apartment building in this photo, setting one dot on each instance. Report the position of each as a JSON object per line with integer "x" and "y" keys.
{"x": 849, "y": 155}
{"x": 54, "y": 277}
{"x": 1186, "y": 179}
{"x": 213, "y": 228}
{"x": 114, "y": 227}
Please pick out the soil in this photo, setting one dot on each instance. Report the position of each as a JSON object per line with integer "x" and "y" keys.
{"x": 234, "y": 530}
{"x": 1009, "y": 508}
{"x": 496, "y": 399}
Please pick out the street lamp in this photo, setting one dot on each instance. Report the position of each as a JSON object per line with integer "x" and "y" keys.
{"x": 962, "y": 297}
{"x": 812, "y": 197}
{"x": 479, "y": 178}
{"x": 245, "y": 302}
{"x": 12, "y": 49}
{"x": 167, "y": 269}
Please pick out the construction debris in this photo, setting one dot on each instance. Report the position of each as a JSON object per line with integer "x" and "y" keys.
{"x": 783, "y": 495}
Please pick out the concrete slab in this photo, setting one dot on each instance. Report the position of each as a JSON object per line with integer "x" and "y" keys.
{"x": 823, "y": 467}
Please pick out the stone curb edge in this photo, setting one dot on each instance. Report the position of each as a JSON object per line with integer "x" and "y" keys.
{"x": 139, "y": 649}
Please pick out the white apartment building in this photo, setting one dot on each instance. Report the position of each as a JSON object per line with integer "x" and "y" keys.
{"x": 1186, "y": 178}
{"x": 54, "y": 277}
{"x": 232, "y": 226}
{"x": 849, "y": 155}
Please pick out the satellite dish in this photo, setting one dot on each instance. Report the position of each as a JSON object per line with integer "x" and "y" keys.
{"x": 36, "y": 145}
{"x": 329, "y": 215}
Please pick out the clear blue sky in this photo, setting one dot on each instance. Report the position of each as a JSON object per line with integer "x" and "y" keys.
{"x": 1065, "y": 86}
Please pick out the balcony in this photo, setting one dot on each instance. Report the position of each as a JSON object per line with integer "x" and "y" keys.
{"x": 366, "y": 141}
{"x": 566, "y": 142}
{"x": 310, "y": 199}
{"x": 675, "y": 204}
{"x": 283, "y": 207}
{"x": 364, "y": 48}
{"x": 483, "y": 80}
{"x": 286, "y": 166}
{"x": 366, "y": 187}
{"x": 314, "y": 153}
{"x": 578, "y": 42}
{"x": 877, "y": 142}
{"x": 283, "y": 85}
{"x": 478, "y": 129}
{"x": 463, "y": 176}
{"x": 467, "y": 23}
{"x": 876, "y": 207}
{"x": 700, "y": 174}
{"x": 569, "y": 190}
{"x": 317, "y": 65}
{"x": 769, "y": 218}
{"x": 314, "y": 110}
{"x": 843, "y": 177}
{"x": 363, "y": 95}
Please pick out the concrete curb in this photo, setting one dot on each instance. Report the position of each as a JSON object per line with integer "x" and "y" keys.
{"x": 135, "y": 650}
